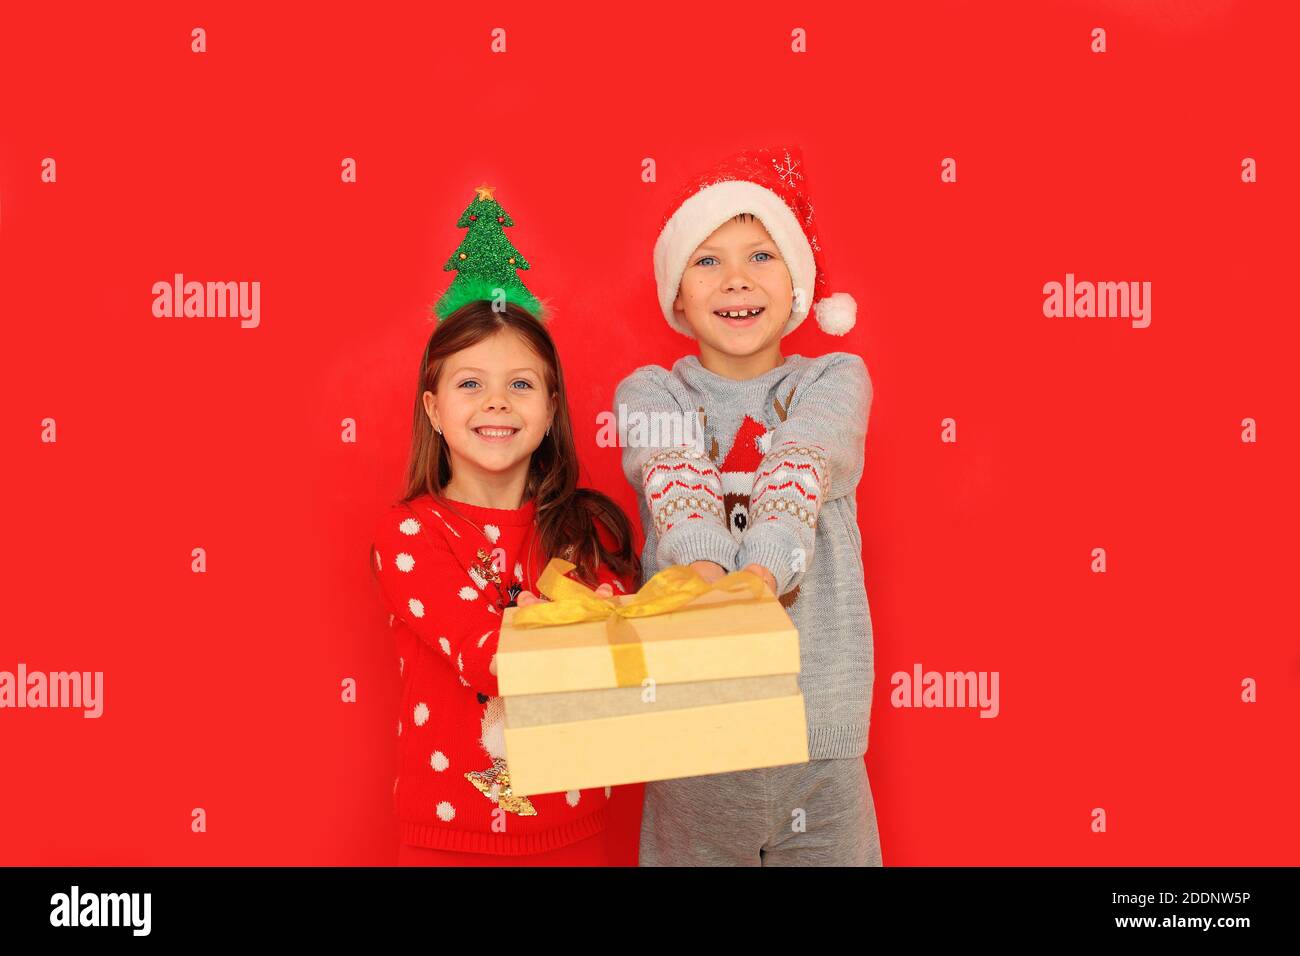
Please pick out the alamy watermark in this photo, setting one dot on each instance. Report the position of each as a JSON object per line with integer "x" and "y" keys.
{"x": 70, "y": 689}
{"x": 947, "y": 689}
{"x": 635, "y": 429}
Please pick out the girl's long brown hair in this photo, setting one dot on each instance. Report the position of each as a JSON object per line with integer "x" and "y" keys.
{"x": 566, "y": 515}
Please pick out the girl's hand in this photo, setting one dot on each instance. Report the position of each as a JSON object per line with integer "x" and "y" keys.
{"x": 525, "y": 598}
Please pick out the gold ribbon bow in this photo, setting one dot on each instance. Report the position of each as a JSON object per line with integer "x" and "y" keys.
{"x": 672, "y": 588}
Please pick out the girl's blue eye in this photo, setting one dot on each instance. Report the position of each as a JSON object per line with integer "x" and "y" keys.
{"x": 471, "y": 381}
{"x": 705, "y": 259}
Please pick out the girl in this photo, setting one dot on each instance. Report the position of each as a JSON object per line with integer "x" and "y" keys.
{"x": 491, "y": 495}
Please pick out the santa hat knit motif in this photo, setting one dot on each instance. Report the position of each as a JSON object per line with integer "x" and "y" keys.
{"x": 746, "y": 454}
{"x": 770, "y": 184}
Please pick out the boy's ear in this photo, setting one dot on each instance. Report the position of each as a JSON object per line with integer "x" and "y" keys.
{"x": 679, "y": 309}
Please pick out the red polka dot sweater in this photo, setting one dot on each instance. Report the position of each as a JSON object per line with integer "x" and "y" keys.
{"x": 446, "y": 571}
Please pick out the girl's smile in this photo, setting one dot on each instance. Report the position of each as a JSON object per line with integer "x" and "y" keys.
{"x": 493, "y": 433}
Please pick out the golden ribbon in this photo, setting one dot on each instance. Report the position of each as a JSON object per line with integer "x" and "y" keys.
{"x": 672, "y": 588}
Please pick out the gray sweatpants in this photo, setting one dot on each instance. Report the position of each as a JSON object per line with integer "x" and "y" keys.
{"x": 819, "y": 813}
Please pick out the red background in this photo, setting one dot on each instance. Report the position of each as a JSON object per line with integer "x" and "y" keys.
{"x": 1119, "y": 691}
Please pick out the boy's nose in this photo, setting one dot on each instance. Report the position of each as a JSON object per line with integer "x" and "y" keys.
{"x": 737, "y": 280}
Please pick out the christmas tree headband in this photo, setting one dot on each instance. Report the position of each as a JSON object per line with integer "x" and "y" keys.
{"x": 485, "y": 262}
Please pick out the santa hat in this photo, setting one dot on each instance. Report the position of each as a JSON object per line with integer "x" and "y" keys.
{"x": 770, "y": 184}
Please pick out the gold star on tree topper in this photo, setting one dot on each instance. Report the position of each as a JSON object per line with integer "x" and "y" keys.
{"x": 485, "y": 192}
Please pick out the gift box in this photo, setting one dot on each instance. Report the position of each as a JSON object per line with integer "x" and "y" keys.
{"x": 680, "y": 679}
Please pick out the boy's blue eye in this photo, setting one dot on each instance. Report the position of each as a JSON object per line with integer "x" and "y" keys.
{"x": 707, "y": 259}
{"x": 468, "y": 381}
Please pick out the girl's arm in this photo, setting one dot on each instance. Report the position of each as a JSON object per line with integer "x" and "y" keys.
{"x": 815, "y": 456}
{"x": 427, "y": 588}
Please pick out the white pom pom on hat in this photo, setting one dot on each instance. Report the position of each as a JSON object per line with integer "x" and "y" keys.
{"x": 769, "y": 183}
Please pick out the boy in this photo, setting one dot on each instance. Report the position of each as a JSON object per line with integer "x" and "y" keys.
{"x": 771, "y": 489}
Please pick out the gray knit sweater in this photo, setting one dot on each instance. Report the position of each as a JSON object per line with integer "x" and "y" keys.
{"x": 764, "y": 471}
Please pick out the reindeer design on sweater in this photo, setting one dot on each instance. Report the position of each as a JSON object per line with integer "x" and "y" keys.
{"x": 751, "y": 442}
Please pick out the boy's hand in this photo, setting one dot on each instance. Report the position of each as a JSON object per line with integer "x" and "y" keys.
{"x": 765, "y": 574}
{"x": 708, "y": 570}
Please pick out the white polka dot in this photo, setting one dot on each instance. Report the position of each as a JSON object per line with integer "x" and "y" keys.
{"x": 404, "y": 562}
{"x": 395, "y": 779}
{"x": 460, "y": 663}
{"x": 399, "y": 728}
{"x": 446, "y": 811}
{"x": 572, "y": 797}
{"x": 486, "y": 635}
{"x": 439, "y": 761}
{"x": 391, "y": 618}
{"x": 409, "y": 526}
{"x": 467, "y": 593}
{"x": 421, "y": 714}
{"x": 619, "y": 585}
{"x": 416, "y": 606}
{"x": 445, "y": 645}
{"x": 463, "y": 681}
{"x": 607, "y": 790}
{"x": 492, "y": 532}
{"x": 378, "y": 564}
{"x": 401, "y": 665}
{"x": 519, "y": 572}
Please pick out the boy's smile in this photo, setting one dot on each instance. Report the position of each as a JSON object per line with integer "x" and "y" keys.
{"x": 741, "y": 316}
{"x": 735, "y": 296}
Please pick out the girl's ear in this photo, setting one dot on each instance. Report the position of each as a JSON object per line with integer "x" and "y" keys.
{"x": 431, "y": 409}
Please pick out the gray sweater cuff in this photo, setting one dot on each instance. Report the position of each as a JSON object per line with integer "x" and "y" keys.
{"x": 775, "y": 547}
{"x": 685, "y": 544}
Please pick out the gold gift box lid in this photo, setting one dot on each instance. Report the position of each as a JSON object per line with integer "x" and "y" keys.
{"x": 715, "y": 637}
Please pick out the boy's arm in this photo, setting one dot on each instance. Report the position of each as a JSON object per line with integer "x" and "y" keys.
{"x": 681, "y": 484}
{"x": 815, "y": 455}
{"x": 427, "y": 588}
